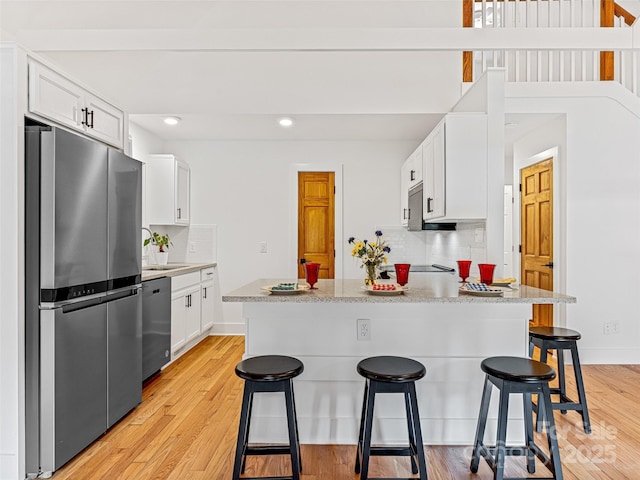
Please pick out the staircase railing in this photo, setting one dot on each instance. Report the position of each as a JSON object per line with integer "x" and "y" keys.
{"x": 550, "y": 65}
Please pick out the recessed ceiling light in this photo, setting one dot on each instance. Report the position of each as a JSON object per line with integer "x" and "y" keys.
{"x": 172, "y": 120}
{"x": 286, "y": 122}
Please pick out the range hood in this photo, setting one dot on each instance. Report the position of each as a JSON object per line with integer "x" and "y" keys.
{"x": 416, "y": 223}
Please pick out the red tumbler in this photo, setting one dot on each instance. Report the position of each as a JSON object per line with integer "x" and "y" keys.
{"x": 402, "y": 273}
{"x": 486, "y": 272}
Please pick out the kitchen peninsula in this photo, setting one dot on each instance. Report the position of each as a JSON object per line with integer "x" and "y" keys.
{"x": 432, "y": 322}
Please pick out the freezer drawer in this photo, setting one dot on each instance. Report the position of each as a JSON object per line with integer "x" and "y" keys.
{"x": 156, "y": 325}
{"x": 124, "y": 360}
{"x": 73, "y": 381}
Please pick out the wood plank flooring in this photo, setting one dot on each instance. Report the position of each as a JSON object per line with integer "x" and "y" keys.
{"x": 187, "y": 424}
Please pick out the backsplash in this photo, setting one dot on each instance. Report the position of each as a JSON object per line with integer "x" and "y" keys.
{"x": 467, "y": 242}
{"x": 192, "y": 244}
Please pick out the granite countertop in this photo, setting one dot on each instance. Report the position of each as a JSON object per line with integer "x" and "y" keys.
{"x": 437, "y": 288}
{"x": 180, "y": 269}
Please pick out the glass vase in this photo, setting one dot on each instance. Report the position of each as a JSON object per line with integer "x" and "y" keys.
{"x": 371, "y": 274}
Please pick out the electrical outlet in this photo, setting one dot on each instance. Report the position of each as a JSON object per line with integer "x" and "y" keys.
{"x": 263, "y": 247}
{"x": 610, "y": 328}
{"x": 192, "y": 247}
{"x": 364, "y": 329}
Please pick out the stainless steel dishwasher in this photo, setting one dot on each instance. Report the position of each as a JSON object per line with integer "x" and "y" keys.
{"x": 156, "y": 325}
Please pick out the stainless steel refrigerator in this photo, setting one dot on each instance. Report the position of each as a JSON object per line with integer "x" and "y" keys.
{"x": 83, "y": 307}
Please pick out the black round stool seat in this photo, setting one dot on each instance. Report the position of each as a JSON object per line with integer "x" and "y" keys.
{"x": 518, "y": 369}
{"x": 554, "y": 333}
{"x": 391, "y": 369}
{"x": 269, "y": 368}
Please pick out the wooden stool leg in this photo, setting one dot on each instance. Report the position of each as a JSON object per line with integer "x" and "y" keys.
{"x": 362, "y": 419}
{"x": 243, "y": 431}
{"x": 295, "y": 419}
{"x": 293, "y": 435}
{"x": 552, "y": 434}
{"x": 582, "y": 396}
{"x": 368, "y": 425}
{"x": 415, "y": 417}
{"x": 482, "y": 423}
{"x": 562, "y": 384}
{"x": 528, "y": 432}
{"x": 411, "y": 432}
{"x": 501, "y": 437}
{"x": 540, "y": 412}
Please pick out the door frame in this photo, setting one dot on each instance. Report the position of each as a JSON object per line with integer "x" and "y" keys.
{"x": 559, "y": 223}
{"x": 336, "y": 168}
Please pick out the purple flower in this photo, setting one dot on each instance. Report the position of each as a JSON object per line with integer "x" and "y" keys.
{"x": 378, "y": 233}
{"x": 352, "y": 239}
{"x": 386, "y": 249}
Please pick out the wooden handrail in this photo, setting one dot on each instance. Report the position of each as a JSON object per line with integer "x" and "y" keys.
{"x": 608, "y": 10}
{"x": 618, "y": 11}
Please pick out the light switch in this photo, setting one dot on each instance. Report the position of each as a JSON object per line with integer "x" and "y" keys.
{"x": 263, "y": 247}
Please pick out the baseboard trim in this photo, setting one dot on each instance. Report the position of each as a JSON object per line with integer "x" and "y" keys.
{"x": 222, "y": 329}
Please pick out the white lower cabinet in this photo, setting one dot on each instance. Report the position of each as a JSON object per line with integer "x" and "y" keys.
{"x": 207, "y": 291}
{"x": 193, "y": 307}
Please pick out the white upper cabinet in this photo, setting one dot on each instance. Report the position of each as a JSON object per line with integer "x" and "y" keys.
{"x": 59, "y": 99}
{"x": 404, "y": 192}
{"x": 455, "y": 169}
{"x": 167, "y": 190}
{"x": 433, "y": 195}
{"x": 410, "y": 176}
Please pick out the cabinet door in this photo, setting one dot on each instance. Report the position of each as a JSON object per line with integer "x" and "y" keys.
{"x": 415, "y": 167}
{"x": 193, "y": 312}
{"x": 178, "y": 321}
{"x": 182, "y": 193}
{"x": 404, "y": 192}
{"x": 207, "y": 318}
{"x": 435, "y": 199}
{"x": 54, "y": 97}
{"x": 106, "y": 122}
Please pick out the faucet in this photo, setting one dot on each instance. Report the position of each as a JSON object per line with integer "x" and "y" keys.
{"x": 149, "y": 232}
{"x": 151, "y": 242}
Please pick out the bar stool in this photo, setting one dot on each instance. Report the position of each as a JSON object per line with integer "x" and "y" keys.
{"x": 390, "y": 375}
{"x": 515, "y": 375}
{"x": 560, "y": 339}
{"x": 268, "y": 373}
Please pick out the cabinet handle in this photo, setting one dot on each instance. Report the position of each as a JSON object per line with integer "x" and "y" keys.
{"x": 85, "y": 116}
{"x": 186, "y": 301}
{"x": 90, "y": 125}
{"x": 179, "y": 213}
{"x": 405, "y": 211}
{"x": 412, "y": 176}
{"x": 205, "y": 293}
{"x": 429, "y": 209}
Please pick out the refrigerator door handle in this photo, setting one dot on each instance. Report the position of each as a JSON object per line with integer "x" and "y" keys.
{"x": 123, "y": 293}
{"x": 74, "y": 307}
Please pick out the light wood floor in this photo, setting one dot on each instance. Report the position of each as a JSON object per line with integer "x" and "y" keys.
{"x": 186, "y": 429}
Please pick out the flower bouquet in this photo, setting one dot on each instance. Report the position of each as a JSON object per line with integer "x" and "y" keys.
{"x": 372, "y": 254}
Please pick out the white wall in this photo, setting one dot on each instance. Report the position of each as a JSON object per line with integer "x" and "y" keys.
{"x": 12, "y": 64}
{"x": 598, "y": 157}
{"x": 245, "y": 188}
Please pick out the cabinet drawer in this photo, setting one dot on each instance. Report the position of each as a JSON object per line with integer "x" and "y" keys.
{"x": 183, "y": 281}
{"x": 207, "y": 274}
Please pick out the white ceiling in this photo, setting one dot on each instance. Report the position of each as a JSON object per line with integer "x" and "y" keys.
{"x": 230, "y": 69}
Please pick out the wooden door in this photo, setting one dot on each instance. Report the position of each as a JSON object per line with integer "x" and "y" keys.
{"x": 536, "y": 236}
{"x": 316, "y": 192}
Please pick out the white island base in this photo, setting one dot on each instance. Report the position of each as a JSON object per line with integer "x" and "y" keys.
{"x": 449, "y": 335}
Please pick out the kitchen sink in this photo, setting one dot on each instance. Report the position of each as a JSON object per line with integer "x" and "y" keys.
{"x": 169, "y": 266}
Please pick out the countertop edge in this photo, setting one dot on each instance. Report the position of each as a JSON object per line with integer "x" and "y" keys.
{"x": 153, "y": 274}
